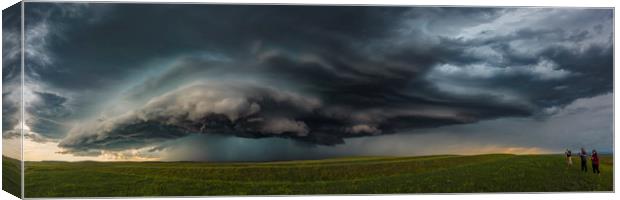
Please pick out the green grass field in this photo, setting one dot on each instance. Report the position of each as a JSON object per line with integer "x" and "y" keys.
{"x": 11, "y": 181}
{"x": 358, "y": 175}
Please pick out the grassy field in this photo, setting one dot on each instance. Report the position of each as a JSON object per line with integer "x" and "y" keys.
{"x": 11, "y": 180}
{"x": 359, "y": 175}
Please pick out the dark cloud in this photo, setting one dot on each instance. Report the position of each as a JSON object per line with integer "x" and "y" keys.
{"x": 125, "y": 39}
{"x": 315, "y": 74}
{"x": 46, "y": 113}
{"x": 10, "y": 112}
{"x": 11, "y": 68}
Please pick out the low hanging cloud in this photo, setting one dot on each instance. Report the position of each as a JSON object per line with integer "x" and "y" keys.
{"x": 244, "y": 110}
{"x": 283, "y": 125}
{"x": 224, "y": 108}
{"x": 543, "y": 70}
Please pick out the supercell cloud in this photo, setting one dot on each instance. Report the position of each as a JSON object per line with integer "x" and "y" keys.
{"x": 118, "y": 77}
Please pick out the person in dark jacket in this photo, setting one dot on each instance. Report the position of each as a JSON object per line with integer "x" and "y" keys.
{"x": 595, "y": 162}
{"x": 584, "y": 160}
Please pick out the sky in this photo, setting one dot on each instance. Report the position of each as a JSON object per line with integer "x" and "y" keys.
{"x": 107, "y": 81}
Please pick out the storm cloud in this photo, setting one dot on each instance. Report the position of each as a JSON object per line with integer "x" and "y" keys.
{"x": 130, "y": 76}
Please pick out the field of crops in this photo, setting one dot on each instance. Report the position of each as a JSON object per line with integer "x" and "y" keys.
{"x": 358, "y": 175}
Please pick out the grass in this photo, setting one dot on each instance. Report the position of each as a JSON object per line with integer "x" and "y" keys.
{"x": 11, "y": 179}
{"x": 358, "y": 175}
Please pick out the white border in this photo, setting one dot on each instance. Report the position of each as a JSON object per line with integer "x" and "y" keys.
{"x": 519, "y": 3}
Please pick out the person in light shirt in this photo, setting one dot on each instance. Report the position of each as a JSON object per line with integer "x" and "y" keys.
{"x": 569, "y": 160}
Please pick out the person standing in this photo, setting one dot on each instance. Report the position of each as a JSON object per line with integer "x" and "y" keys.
{"x": 595, "y": 162}
{"x": 584, "y": 160}
{"x": 569, "y": 161}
